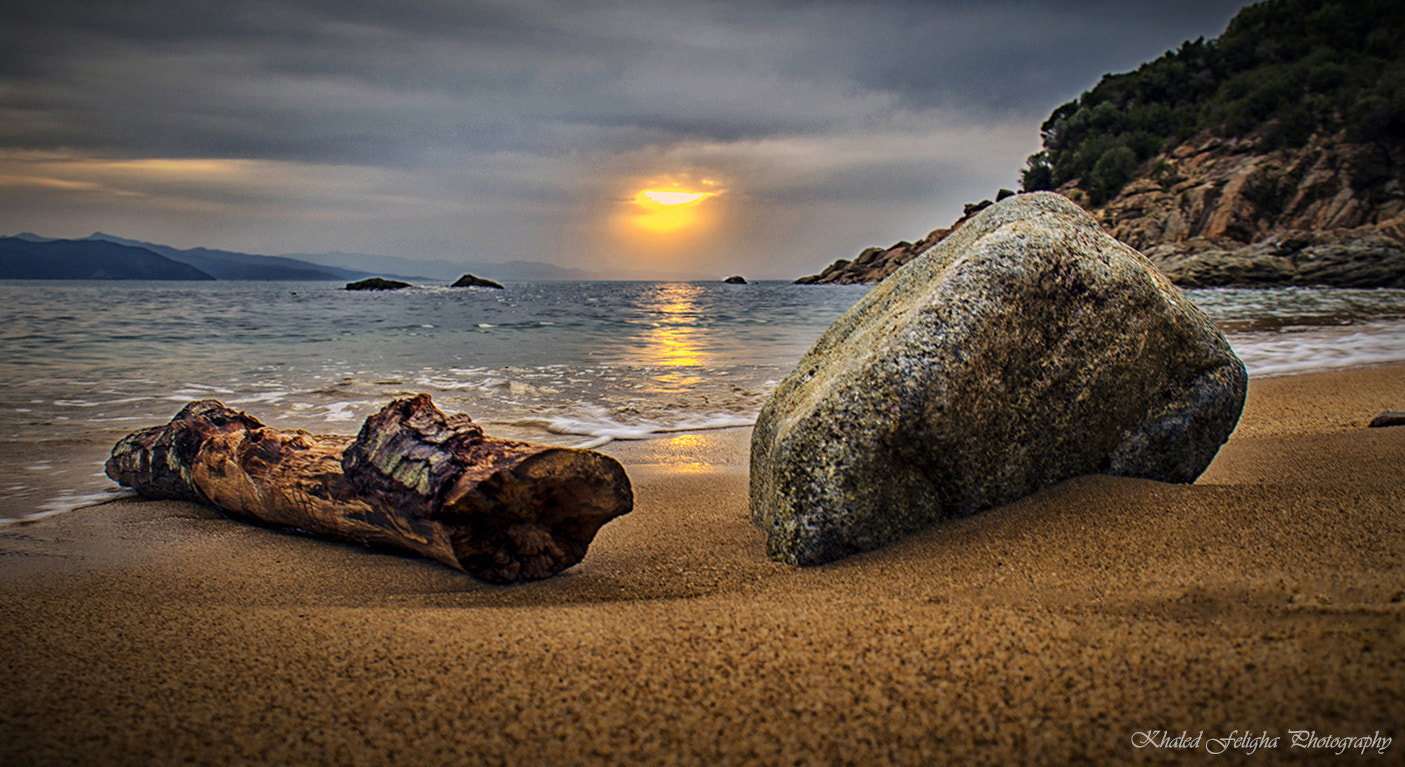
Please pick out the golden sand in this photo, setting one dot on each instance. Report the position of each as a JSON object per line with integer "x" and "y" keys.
{"x": 1267, "y": 598}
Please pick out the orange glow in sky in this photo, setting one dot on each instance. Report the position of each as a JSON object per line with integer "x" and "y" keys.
{"x": 668, "y": 211}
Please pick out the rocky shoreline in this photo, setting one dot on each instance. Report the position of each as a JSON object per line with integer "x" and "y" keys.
{"x": 1340, "y": 259}
{"x": 873, "y": 264}
{"x": 1345, "y": 259}
{"x": 1224, "y": 213}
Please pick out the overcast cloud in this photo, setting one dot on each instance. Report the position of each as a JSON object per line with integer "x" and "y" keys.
{"x": 491, "y": 131}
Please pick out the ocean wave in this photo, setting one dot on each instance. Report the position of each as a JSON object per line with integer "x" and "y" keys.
{"x": 599, "y": 429}
{"x": 340, "y": 411}
{"x": 1300, "y": 349}
{"x": 66, "y": 501}
{"x": 269, "y": 397}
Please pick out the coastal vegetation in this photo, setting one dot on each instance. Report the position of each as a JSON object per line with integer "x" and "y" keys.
{"x": 1273, "y": 155}
{"x": 1282, "y": 72}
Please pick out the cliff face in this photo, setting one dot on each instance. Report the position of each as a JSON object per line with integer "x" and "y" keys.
{"x": 1226, "y": 189}
{"x": 1217, "y": 212}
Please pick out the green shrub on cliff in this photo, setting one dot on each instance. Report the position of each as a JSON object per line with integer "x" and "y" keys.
{"x": 1282, "y": 71}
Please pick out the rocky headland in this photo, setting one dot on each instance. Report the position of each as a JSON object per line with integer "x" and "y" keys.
{"x": 873, "y": 264}
{"x": 1218, "y": 212}
{"x": 1271, "y": 156}
{"x": 1223, "y": 212}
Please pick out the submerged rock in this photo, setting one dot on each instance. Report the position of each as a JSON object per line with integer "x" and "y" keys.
{"x": 469, "y": 281}
{"x": 1026, "y": 348}
{"x": 377, "y": 283}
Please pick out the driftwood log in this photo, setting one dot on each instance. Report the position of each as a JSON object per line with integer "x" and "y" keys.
{"x": 412, "y": 479}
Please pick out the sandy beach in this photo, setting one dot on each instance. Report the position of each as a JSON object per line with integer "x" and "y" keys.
{"x": 1068, "y": 627}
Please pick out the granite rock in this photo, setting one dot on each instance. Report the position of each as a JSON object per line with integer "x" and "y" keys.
{"x": 1026, "y": 348}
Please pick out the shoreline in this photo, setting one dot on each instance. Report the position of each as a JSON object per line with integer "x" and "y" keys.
{"x": 48, "y": 497}
{"x": 1265, "y": 598}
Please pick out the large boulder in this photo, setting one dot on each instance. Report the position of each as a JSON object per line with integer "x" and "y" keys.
{"x": 1026, "y": 348}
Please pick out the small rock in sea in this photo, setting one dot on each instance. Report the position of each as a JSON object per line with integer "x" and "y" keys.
{"x": 735, "y": 279}
{"x": 1388, "y": 418}
{"x": 377, "y": 283}
{"x": 972, "y": 208}
{"x": 469, "y": 281}
{"x": 1026, "y": 348}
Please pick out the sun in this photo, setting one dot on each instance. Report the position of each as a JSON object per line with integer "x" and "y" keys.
{"x": 669, "y": 211}
{"x": 660, "y": 197}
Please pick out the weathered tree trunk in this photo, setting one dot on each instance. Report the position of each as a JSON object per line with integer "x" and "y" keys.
{"x": 412, "y": 479}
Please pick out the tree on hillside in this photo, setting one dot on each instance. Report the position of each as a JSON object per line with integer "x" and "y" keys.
{"x": 1283, "y": 71}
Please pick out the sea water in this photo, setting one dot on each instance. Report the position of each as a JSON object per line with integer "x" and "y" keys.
{"x": 570, "y": 363}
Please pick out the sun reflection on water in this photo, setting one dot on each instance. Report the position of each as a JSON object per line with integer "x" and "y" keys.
{"x": 675, "y": 340}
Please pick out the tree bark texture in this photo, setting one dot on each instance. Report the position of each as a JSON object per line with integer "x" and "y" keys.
{"x": 413, "y": 479}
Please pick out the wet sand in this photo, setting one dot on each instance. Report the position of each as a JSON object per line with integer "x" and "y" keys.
{"x": 1268, "y": 597}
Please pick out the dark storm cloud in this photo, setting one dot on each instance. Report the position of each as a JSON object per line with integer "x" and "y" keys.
{"x": 452, "y": 128}
{"x": 407, "y": 83}
{"x": 1005, "y": 55}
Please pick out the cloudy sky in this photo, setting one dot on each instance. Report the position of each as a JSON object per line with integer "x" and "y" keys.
{"x": 529, "y": 129}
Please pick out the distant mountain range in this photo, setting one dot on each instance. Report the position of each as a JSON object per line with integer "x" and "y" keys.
{"x": 29, "y": 257}
{"x": 100, "y": 256}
